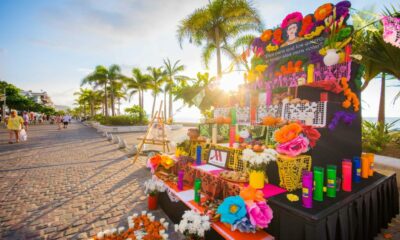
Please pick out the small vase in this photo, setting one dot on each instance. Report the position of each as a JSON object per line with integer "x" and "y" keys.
{"x": 257, "y": 179}
{"x": 331, "y": 57}
{"x": 152, "y": 202}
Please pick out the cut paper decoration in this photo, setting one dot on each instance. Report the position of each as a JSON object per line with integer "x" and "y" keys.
{"x": 391, "y": 30}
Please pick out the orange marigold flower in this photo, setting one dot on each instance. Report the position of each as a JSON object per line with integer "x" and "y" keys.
{"x": 323, "y": 11}
{"x": 266, "y": 35}
{"x": 346, "y": 104}
{"x": 288, "y": 132}
{"x": 270, "y": 121}
{"x": 167, "y": 162}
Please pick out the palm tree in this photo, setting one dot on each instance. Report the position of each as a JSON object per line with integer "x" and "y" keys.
{"x": 114, "y": 77}
{"x": 217, "y": 24}
{"x": 157, "y": 78}
{"x": 378, "y": 57}
{"x": 99, "y": 78}
{"x": 137, "y": 84}
{"x": 88, "y": 97}
{"x": 172, "y": 78}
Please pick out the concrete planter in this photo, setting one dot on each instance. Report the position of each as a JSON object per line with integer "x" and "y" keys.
{"x": 125, "y": 129}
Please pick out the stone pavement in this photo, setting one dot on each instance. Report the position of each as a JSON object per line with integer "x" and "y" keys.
{"x": 67, "y": 184}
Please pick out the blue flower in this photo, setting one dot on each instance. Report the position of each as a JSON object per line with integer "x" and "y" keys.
{"x": 244, "y": 225}
{"x": 232, "y": 209}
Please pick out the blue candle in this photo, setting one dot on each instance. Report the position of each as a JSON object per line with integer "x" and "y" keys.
{"x": 356, "y": 169}
{"x": 198, "y": 155}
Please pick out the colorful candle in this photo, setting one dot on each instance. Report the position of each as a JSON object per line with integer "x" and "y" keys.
{"x": 310, "y": 73}
{"x": 232, "y": 134}
{"x": 364, "y": 166}
{"x": 346, "y": 175}
{"x": 198, "y": 155}
{"x": 197, "y": 188}
{"x": 371, "y": 158}
{"x": 356, "y": 169}
{"x": 214, "y": 134}
{"x": 318, "y": 194}
{"x": 181, "y": 174}
{"x": 233, "y": 115}
{"x": 307, "y": 190}
{"x": 331, "y": 181}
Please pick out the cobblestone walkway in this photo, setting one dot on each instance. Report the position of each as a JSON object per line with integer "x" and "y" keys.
{"x": 66, "y": 184}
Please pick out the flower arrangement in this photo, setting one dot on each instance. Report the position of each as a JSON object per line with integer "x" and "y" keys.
{"x": 246, "y": 212}
{"x": 259, "y": 161}
{"x": 155, "y": 161}
{"x": 193, "y": 225}
{"x": 153, "y": 186}
{"x": 266, "y": 35}
{"x": 294, "y": 139}
{"x": 143, "y": 227}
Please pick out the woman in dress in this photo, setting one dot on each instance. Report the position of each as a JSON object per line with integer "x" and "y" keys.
{"x": 14, "y": 126}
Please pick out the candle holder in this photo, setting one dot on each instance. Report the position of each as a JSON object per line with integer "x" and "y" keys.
{"x": 307, "y": 190}
{"x": 346, "y": 175}
{"x": 318, "y": 194}
{"x": 331, "y": 181}
{"x": 356, "y": 169}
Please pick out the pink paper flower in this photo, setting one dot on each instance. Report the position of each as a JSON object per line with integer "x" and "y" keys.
{"x": 260, "y": 214}
{"x": 294, "y": 147}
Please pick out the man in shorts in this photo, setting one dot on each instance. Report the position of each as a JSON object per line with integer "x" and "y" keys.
{"x": 66, "y": 119}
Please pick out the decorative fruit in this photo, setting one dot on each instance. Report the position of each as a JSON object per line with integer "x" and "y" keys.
{"x": 257, "y": 148}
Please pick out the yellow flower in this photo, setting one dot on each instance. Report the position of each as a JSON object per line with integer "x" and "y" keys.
{"x": 167, "y": 162}
{"x": 318, "y": 30}
{"x": 261, "y": 68}
{"x": 251, "y": 76}
{"x": 272, "y": 48}
{"x": 292, "y": 197}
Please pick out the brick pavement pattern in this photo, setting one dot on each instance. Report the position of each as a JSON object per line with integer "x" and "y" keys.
{"x": 67, "y": 184}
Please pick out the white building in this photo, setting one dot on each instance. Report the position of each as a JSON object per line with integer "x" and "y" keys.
{"x": 39, "y": 97}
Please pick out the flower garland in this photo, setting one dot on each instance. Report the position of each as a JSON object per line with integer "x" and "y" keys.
{"x": 193, "y": 224}
{"x": 351, "y": 97}
{"x": 346, "y": 117}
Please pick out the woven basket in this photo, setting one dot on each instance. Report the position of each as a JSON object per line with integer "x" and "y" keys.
{"x": 291, "y": 170}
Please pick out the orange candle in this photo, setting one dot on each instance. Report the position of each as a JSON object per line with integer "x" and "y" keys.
{"x": 371, "y": 158}
{"x": 364, "y": 166}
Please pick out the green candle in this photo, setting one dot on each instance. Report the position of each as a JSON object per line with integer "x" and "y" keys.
{"x": 197, "y": 188}
{"x": 318, "y": 194}
{"x": 331, "y": 182}
{"x": 233, "y": 115}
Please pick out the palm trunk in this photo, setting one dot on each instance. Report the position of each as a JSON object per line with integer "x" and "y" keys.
{"x": 119, "y": 106}
{"x": 105, "y": 100}
{"x": 91, "y": 109}
{"x": 170, "y": 110}
{"x": 381, "y": 114}
{"x": 165, "y": 106}
{"x": 112, "y": 100}
{"x": 154, "y": 105}
{"x": 217, "y": 43}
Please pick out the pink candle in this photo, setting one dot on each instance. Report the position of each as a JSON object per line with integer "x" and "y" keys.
{"x": 346, "y": 175}
{"x": 232, "y": 133}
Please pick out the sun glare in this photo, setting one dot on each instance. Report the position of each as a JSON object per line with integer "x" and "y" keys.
{"x": 231, "y": 81}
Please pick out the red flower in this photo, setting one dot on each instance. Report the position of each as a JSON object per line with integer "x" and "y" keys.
{"x": 312, "y": 134}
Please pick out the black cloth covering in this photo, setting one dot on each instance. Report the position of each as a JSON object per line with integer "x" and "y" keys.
{"x": 359, "y": 214}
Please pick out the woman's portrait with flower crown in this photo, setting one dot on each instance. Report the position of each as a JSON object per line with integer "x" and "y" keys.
{"x": 291, "y": 27}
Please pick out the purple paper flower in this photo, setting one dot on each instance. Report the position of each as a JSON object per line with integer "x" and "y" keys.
{"x": 244, "y": 225}
{"x": 346, "y": 117}
{"x": 342, "y": 9}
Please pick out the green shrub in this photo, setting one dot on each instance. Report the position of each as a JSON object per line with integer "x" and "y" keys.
{"x": 98, "y": 117}
{"x": 123, "y": 120}
{"x": 376, "y": 136}
{"x": 136, "y": 112}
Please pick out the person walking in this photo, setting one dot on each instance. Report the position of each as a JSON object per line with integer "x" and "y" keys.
{"x": 14, "y": 126}
{"x": 58, "y": 121}
{"x": 66, "y": 119}
{"x": 25, "y": 117}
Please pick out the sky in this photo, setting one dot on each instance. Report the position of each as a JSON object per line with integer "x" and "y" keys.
{"x": 53, "y": 45}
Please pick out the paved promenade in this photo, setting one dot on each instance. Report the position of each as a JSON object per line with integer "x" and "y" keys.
{"x": 67, "y": 184}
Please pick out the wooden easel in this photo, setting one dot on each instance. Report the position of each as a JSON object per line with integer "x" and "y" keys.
{"x": 158, "y": 118}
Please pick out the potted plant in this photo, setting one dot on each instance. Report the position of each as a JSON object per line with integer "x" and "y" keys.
{"x": 257, "y": 165}
{"x": 193, "y": 225}
{"x": 152, "y": 188}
